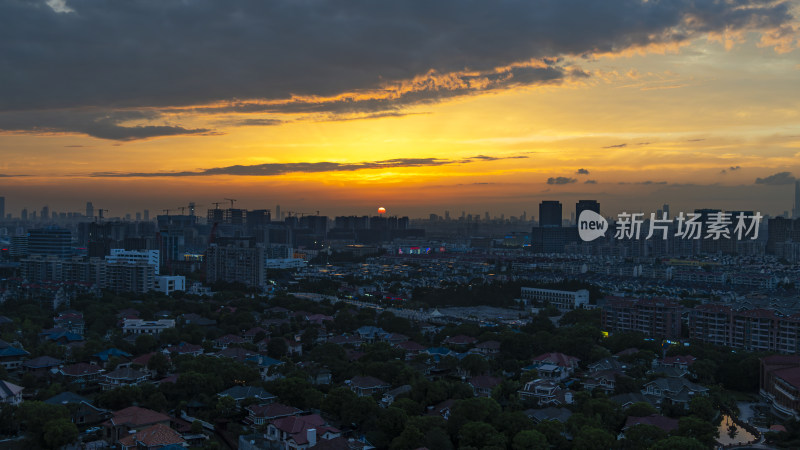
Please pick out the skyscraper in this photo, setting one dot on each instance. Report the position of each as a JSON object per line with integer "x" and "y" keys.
{"x": 146, "y": 215}
{"x": 796, "y": 212}
{"x": 45, "y": 213}
{"x": 550, "y": 213}
{"x": 89, "y": 210}
{"x": 2, "y": 208}
{"x": 583, "y": 205}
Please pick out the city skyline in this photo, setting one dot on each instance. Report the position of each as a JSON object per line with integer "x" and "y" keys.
{"x": 416, "y": 108}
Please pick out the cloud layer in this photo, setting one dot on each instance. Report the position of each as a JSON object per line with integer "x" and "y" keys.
{"x": 273, "y": 169}
{"x": 298, "y": 56}
{"x": 777, "y": 179}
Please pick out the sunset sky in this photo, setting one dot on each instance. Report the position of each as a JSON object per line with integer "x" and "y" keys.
{"x": 418, "y": 106}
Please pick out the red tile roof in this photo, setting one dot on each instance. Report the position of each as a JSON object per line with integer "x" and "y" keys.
{"x": 134, "y": 416}
{"x": 158, "y": 435}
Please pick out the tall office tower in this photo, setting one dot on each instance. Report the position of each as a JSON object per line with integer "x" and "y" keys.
{"x": 50, "y": 241}
{"x": 146, "y": 215}
{"x": 278, "y": 216}
{"x": 797, "y": 199}
{"x": 45, "y": 213}
{"x": 524, "y": 216}
{"x": 486, "y": 215}
{"x": 138, "y": 216}
{"x": 550, "y": 213}
{"x": 582, "y": 205}
{"x": 24, "y": 214}
{"x": 2, "y": 207}
{"x": 447, "y": 215}
{"x": 665, "y": 209}
{"x": 89, "y": 210}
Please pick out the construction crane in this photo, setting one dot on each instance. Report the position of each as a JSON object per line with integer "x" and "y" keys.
{"x": 231, "y": 200}
{"x": 216, "y": 204}
{"x": 100, "y": 213}
{"x": 183, "y": 210}
{"x": 166, "y": 211}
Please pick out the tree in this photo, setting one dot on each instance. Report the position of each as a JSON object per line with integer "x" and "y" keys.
{"x": 38, "y": 416}
{"x": 474, "y": 364}
{"x": 197, "y": 427}
{"x": 641, "y": 436}
{"x": 59, "y": 432}
{"x": 694, "y": 427}
{"x": 277, "y": 348}
{"x": 226, "y": 406}
{"x": 640, "y": 409}
{"x": 409, "y": 439}
{"x": 591, "y": 438}
{"x": 530, "y": 440}
{"x": 678, "y": 443}
{"x": 158, "y": 363}
{"x": 145, "y": 343}
{"x": 478, "y": 409}
{"x": 479, "y": 435}
{"x": 702, "y": 408}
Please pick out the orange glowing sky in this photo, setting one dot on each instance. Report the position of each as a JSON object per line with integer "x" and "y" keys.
{"x": 703, "y": 111}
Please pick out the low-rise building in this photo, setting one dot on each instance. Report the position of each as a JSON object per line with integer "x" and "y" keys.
{"x": 139, "y": 326}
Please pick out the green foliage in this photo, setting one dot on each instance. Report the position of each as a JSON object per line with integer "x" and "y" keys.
{"x": 640, "y": 409}
{"x": 410, "y": 439}
{"x": 58, "y": 433}
{"x": 591, "y": 438}
{"x": 39, "y": 416}
{"x": 480, "y": 435}
{"x": 478, "y": 409}
{"x": 159, "y": 363}
{"x": 641, "y": 436}
{"x": 530, "y": 440}
{"x": 703, "y": 408}
{"x": 678, "y": 443}
{"x": 699, "y": 429}
{"x": 145, "y": 343}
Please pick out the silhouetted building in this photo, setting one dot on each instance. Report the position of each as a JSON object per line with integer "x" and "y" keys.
{"x": 582, "y": 205}
{"x": 53, "y": 241}
{"x": 550, "y": 213}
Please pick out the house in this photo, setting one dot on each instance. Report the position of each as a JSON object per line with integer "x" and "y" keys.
{"x": 549, "y": 413}
{"x": 81, "y": 373}
{"x": 372, "y": 334}
{"x": 555, "y": 366}
{"x": 605, "y": 380}
{"x": 682, "y": 362}
{"x": 267, "y": 367}
{"x": 411, "y": 348}
{"x": 675, "y": 390}
{"x": 153, "y": 327}
{"x": 154, "y": 437}
{"x": 365, "y": 386}
{"x": 105, "y": 355}
{"x": 10, "y": 394}
{"x": 241, "y": 393}
{"x": 482, "y": 385}
{"x": 124, "y": 376}
{"x": 60, "y": 336}
{"x": 185, "y": 348}
{"x": 665, "y": 424}
{"x": 261, "y": 414}
{"x": 355, "y": 341}
{"x": 441, "y": 409}
{"x": 41, "y": 365}
{"x": 545, "y": 392}
{"x": 488, "y": 349}
{"x": 628, "y": 399}
{"x": 11, "y": 357}
{"x": 196, "y": 319}
{"x": 390, "y": 396}
{"x": 229, "y": 339}
{"x": 460, "y": 341}
{"x": 294, "y": 348}
{"x": 238, "y": 353}
{"x": 81, "y": 411}
{"x": 132, "y": 418}
{"x": 251, "y": 334}
{"x": 301, "y": 432}
{"x": 608, "y": 363}
{"x": 71, "y": 321}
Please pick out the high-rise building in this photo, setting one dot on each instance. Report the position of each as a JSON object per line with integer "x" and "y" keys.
{"x": 24, "y": 214}
{"x": 50, "y": 241}
{"x": 583, "y": 205}
{"x": 89, "y": 210}
{"x": 665, "y": 209}
{"x": 45, "y": 213}
{"x": 278, "y": 216}
{"x": 146, "y": 215}
{"x": 550, "y": 213}
{"x": 797, "y": 199}
{"x": 2, "y": 207}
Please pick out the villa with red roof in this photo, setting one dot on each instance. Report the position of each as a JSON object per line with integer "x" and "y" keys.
{"x": 132, "y": 418}
{"x": 301, "y": 432}
{"x": 780, "y": 384}
{"x": 152, "y": 438}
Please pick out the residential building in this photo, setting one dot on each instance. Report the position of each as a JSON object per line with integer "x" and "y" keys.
{"x": 673, "y": 390}
{"x": 780, "y": 384}
{"x": 122, "y": 377}
{"x": 563, "y": 300}
{"x": 139, "y": 326}
{"x": 154, "y": 437}
{"x": 653, "y": 317}
{"x": 10, "y": 393}
{"x": 365, "y": 386}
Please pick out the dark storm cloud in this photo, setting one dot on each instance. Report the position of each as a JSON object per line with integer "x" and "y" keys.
{"x": 274, "y": 169}
{"x": 731, "y": 168}
{"x": 777, "y": 179}
{"x": 582, "y": 172}
{"x": 561, "y": 180}
{"x": 173, "y": 52}
{"x": 109, "y": 125}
